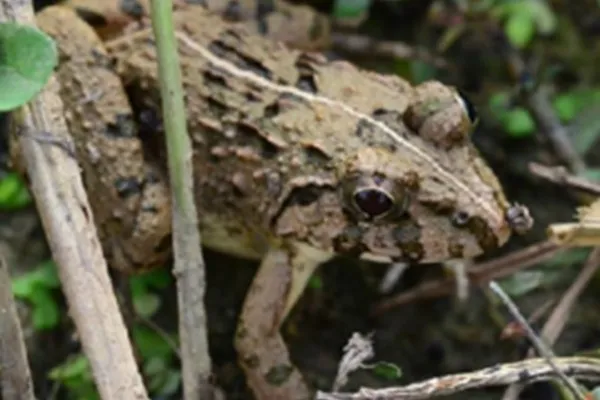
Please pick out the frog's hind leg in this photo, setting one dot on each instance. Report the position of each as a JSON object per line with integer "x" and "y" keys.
{"x": 278, "y": 284}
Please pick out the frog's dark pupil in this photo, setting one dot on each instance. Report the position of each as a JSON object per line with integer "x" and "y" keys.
{"x": 469, "y": 107}
{"x": 373, "y": 202}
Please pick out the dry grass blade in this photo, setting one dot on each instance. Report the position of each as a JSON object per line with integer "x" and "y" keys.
{"x": 189, "y": 261}
{"x": 584, "y": 233}
{"x": 528, "y": 371}
{"x": 559, "y": 317}
{"x": 15, "y": 377}
{"x": 561, "y": 176}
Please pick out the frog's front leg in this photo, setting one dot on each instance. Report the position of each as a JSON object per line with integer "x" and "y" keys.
{"x": 129, "y": 197}
{"x": 279, "y": 282}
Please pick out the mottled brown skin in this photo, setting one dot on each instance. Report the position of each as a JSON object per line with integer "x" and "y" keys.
{"x": 280, "y": 174}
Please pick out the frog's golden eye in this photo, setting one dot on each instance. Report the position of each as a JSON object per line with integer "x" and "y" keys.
{"x": 469, "y": 108}
{"x": 373, "y": 202}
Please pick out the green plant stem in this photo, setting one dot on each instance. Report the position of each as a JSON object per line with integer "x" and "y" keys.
{"x": 189, "y": 262}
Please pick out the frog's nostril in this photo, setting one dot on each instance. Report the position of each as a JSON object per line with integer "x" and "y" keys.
{"x": 460, "y": 218}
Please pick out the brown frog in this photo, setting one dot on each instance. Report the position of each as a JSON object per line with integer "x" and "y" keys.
{"x": 296, "y": 159}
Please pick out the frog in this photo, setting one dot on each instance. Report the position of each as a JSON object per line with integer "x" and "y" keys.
{"x": 296, "y": 159}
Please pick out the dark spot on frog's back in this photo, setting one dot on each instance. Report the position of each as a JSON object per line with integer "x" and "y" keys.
{"x": 407, "y": 233}
{"x": 315, "y": 155}
{"x": 233, "y": 11}
{"x": 214, "y": 77}
{"x": 455, "y": 248}
{"x": 123, "y": 126}
{"x": 307, "y": 83}
{"x": 305, "y": 195}
{"x": 127, "y": 187}
{"x": 93, "y": 18}
{"x": 250, "y": 134}
{"x": 220, "y": 48}
{"x": 481, "y": 230}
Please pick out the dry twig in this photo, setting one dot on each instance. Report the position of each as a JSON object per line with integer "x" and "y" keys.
{"x": 67, "y": 218}
{"x": 360, "y": 44}
{"x": 541, "y": 347}
{"x": 559, "y": 317}
{"x": 527, "y": 371}
{"x": 561, "y": 176}
{"x": 538, "y": 103}
{"x": 15, "y": 377}
{"x": 479, "y": 274}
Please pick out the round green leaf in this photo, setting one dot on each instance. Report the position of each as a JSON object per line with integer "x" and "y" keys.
{"x": 350, "y": 8}
{"x": 520, "y": 29}
{"x": 13, "y": 192}
{"x": 518, "y": 123}
{"x": 27, "y": 59}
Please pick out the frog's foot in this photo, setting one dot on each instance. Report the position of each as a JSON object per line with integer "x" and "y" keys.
{"x": 440, "y": 114}
{"x": 278, "y": 284}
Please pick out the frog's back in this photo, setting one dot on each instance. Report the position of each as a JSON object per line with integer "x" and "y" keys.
{"x": 275, "y": 129}
{"x": 276, "y": 132}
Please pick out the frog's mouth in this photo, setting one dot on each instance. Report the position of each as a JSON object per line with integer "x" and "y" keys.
{"x": 378, "y": 258}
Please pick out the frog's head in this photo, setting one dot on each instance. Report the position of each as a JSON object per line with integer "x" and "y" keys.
{"x": 414, "y": 198}
{"x": 407, "y": 184}
{"x": 423, "y": 212}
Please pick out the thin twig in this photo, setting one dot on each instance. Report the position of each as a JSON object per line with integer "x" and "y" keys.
{"x": 68, "y": 222}
{"x": 527, "y": 371}
{"x": 561, "y": 176}
{"x": 538, "y": 103}
{"x": 543, "y": 349}
{"x": 561, "y": 313}
{"x": 360, "y": 44}
{"x": 189, "y": 268}
{"x": 479, "y": 274}
{"x": 15, "y": 376}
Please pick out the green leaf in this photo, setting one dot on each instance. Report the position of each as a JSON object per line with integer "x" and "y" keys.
{"x": 154, "y": 366}
{"x": 522, "y": 282}
{"x": 46, "y": 314}
{"x": 151, "y": 344}
{"x": 592, "y": 174}
{"x": 171, "y": 383}
{"x": 42, "y": 277}
{"x": 544, "y": 17}
{"x": 146, "y": 304}
{"x": 518, "y": 123}
{"x": 387, "y": 371}
{"x": 315, "y": 282}
{"x": 158, "y": 278}
{"x": 27, "y": 59}
{"x": 343, "y": 9}
{"x": 76, "y": 367}
{"x": 520, "y": 28}
{"x": 13, "y": 192}
{"x": 566, "y": 107}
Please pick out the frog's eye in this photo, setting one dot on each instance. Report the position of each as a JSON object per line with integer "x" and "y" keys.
{"x": 469, "y": 108}
{"x": 373, "y": 202}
